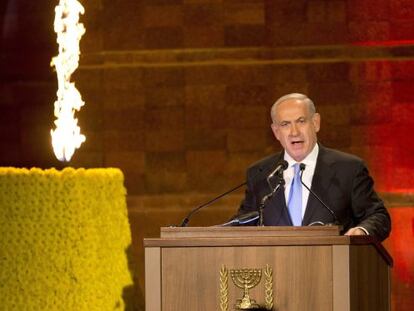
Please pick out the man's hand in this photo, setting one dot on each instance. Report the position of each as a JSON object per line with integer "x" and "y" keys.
{"x": 355, "y": 231}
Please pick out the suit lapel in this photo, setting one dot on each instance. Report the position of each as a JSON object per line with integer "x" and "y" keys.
{"x": 320, "y": 184}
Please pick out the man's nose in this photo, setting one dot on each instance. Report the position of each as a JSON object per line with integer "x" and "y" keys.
{"x": 294, "y": 130}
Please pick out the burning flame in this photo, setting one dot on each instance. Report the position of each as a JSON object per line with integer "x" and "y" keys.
{"x": 67, "y": 137}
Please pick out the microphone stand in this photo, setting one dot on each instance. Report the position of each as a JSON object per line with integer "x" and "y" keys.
{"x": 280, "y": 183}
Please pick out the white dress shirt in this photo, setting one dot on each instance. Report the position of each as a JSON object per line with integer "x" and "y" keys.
{"x": 288, "y": 174}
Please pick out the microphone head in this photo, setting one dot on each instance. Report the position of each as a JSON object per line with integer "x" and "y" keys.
{"x": 284, "y": 164}
{"x": 302, "y": 166}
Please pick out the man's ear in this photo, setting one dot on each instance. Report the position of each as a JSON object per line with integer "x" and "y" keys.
{"x": 316, "y": 119}
{"x": 275, "y": 130}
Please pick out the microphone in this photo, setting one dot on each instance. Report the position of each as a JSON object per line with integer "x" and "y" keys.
{"x": 242, "y": 219}
{"x": 280, "y": 167}
{"x": 302, "y": 168}
{"x": 187, "y": 218}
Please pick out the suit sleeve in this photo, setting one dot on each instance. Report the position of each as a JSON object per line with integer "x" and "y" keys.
{"x": 368, "y": 209}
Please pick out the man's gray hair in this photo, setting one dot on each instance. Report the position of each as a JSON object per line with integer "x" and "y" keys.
{"x": 298, "y": 96}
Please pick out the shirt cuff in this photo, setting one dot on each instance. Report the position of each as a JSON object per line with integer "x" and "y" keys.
{"x": 363, "y": 229}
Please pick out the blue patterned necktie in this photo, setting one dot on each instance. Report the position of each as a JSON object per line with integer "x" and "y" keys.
{"x": 295, "y": 198}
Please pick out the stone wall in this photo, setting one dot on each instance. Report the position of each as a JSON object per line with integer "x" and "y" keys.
{"x": 178, "y": 93}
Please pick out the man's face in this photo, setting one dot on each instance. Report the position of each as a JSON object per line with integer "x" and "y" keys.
{"x": 295, "y": 128}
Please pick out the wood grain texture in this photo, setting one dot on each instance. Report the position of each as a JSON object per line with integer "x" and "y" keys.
{"x": 153, "y": 278}
{"x": 302, "y": 276}
{"x": 268, "y": 231}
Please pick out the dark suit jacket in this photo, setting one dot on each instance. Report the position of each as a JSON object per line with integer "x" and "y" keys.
{"x": 341, "y": 181}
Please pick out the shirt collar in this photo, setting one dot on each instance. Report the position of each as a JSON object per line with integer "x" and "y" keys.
{"x": 310, "y": 159}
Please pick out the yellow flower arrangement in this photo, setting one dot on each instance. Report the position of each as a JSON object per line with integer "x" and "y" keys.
{"x": 63, "y": 239}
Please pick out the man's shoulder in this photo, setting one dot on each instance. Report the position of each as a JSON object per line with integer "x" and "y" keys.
{"x": 337, "y": 156}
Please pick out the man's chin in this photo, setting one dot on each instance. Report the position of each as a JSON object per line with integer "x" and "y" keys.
{"x": 297, "y": 155}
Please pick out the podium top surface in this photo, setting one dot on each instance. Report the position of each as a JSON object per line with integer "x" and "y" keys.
{"x": 248, "y": 231}
{"x": 259, "y": 236}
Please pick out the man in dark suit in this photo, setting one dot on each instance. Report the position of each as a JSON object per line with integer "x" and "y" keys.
{"x": 340, "y": 180}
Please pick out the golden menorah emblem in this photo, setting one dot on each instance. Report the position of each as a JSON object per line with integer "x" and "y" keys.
{"x": 246, "y": 279}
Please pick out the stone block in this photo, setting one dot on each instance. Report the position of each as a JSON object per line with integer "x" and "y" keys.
{"x": 373, "y": 104}
{"x": 401, "y": 30}
{"x": 127, "y": 161}
{"x": 166, "y": 182}
{"x": 336, "y": 115}
{"x": 239, "y": 162}
{"x": 402, "y": 10}
{"x": 165, "y": 172}
{"x": 249, "y": 73}
{"x": 164, "y": 76}
{"x": 166, "y": 140}
{"x": 164, "y": 97}
{"x": 131, "y": 119}
{"x": 206, "y": 162}
{"x": 371, "y": 71}
{"x": 326, "y": 11}
{"x": 115, "y": 35}
{"x": 369, "y": 31}
{"x": 248, "y": 95}
{"x": 328, "y": 72}
{"x": 244, "y": 35}
{"x": 336, "y": 136}
{"x": 87, "y": 159}
{"x": 370, "y": 135}
{"x": 206, "y": 170}
{"x": 280, "y": 12}
{"x": 335, "y": 93}
{"x": 252, "y": 13}
{"x": 163, "y": 37}
{"x": 248, "y": 117}
{"x": 368, "y": 10}
{"x": 201, "y": 76}
{"x": 205, "y": 95}
{"x": 402, "y": 91}
{"x": 243, "y": 140}
{"x": 206, "y": 139}
{"x": 402, "y": 70}
{"x": 162, "y": 16}
{"x": 124, "y": 140}
{"x": 206, "y": 117}
{"x": 296, "y": 73}
{"x": 204, "y": 36}
{"x": 165, "y": 119}
{"x": 135, "y": 183}
{"x": 165, "y": 161}
{"x": 202, "y": 14}
{"x": 291, "y": 34}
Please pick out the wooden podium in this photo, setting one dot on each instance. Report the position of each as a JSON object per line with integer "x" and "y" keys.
{"x": 302, "y": 268}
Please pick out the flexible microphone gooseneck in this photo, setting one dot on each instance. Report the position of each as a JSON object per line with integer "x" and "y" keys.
{"x": 278, "y": 171}
{"x": 188, "y": 217}
{"x": 302, "y": 168}
{"x": 280, "y": 167}
{"x": 242, "y": 219}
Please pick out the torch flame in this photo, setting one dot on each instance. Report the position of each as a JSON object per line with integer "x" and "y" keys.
{"x": 67, "y": 137}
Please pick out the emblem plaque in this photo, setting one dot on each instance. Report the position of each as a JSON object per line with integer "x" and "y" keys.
{"x": 246, "y": 279}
